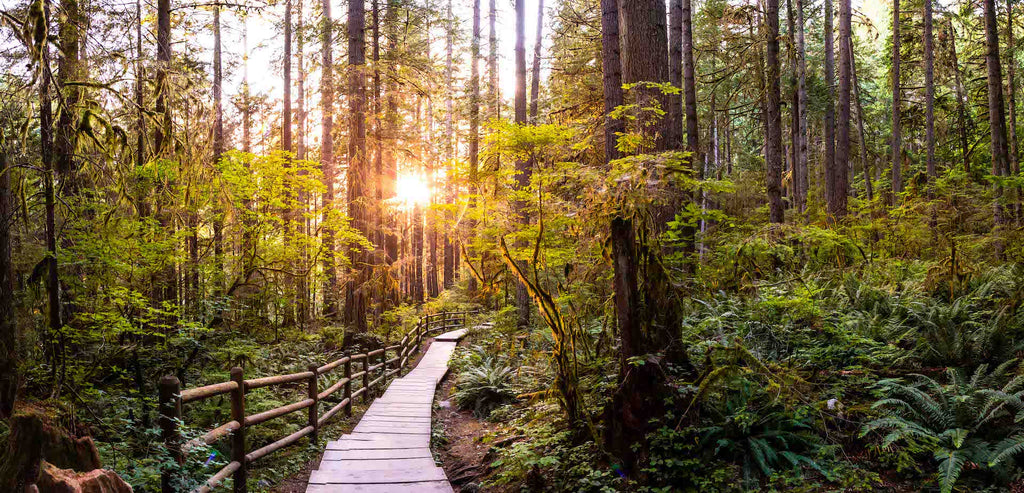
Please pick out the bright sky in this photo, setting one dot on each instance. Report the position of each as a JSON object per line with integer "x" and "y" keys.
{"x": 265, "y": 43}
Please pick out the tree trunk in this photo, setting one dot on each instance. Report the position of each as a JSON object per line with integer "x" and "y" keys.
{"x": 327, "y": 163}
{"x": 961, "y": 98}
{"x": 837, "y": 208}
{"x": 449, "y": 135}
{"x": 773, "y": 159}
{"x": 69, "y": 70}
{"x": 10, "y": 379}
{"x": 358, "y": 178}
{"x": 801, "y": 164}
{"x": 523, "y": 170}
{"x": 830, "y": 121}
{"x": 535, "y": 84}
{"x": 690, "y": 84}
{"x": 897, "y": 112}
{"x": 865, "y": 164}
{"x": 1011, "y": 91}
{"x": 474, "y": 137}
{"x": 929, "y": 95}
{"x": 611, "y": 76}
{"x": 218, "y": 151}
{"x": 794, "y": 111}
{"x": 674, "y": 112}
{"x": 996, "y": 115}
{"x": 162, "y": 134}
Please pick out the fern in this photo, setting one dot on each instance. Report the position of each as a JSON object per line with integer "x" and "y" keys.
{"x": 952, "y": 420}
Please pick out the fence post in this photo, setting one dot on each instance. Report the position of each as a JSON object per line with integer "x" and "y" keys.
{"x": 238, "y": 437}
{"x": 366, "y": 377}
{"x": 170, "y": 414}
{"x": 314, "y": 410}
{"x": 348, "y": 386}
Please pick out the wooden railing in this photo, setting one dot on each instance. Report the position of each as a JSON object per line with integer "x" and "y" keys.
{"x": 372, "y": 364}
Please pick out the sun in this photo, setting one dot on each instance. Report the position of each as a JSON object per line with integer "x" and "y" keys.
{"x": 412, "y": 190}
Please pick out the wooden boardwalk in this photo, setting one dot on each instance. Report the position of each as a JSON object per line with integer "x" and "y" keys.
{"x": 389, "y": 450}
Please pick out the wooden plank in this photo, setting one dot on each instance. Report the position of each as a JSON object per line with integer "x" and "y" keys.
{"x": 377, "y": 454}
{"x": 378, "y": 465}
{"x": 389, "y": 477}
{"x": 421, "y": 487}
{"x": 414, "y": 429}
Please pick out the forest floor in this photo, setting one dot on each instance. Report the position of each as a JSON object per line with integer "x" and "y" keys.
{"x": 464, "y": 454}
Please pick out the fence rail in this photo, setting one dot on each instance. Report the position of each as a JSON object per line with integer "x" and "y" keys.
{"x": 374, "y": 370}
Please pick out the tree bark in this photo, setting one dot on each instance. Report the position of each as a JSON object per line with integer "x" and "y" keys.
{"x": 801, "y": 170}
{"x": 837, "y": 208}
{"x": 929, "y": 95}
{"x": 523, "y": 170}
{"x": 611, "y": 76}
{"x": 674, "y": 112}
{"x": 357, "y": 178}
{"x": 773, "y": 158}
{"x": 10, "y": 378}
{"x": 897, "y": 112}
{"x": 327, "y": 163}
{"x": 535, "y": 84}
{"x": 961, "y": 98}
{"x": 1011, "y": 92}
{"x": 218, "y": 151}
{"x": 162, "y": 132}
{"x": 996, "y": 114}
{"x": 474, "y": 137}
{"x": 830, "y": 98}
{"x": 865, "y": 164}
{"x": 449, "y": 135}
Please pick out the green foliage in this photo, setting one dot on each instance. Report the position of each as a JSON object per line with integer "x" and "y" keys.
{"x": 955, "y": 422}
{"x": 484, "y": 383}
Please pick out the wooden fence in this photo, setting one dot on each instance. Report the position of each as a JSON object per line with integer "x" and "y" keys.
{"x": 372, "y": 364}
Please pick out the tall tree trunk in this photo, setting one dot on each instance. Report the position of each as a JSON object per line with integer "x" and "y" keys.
{"x": 865, "y": 164}
{"x": 897, "y": 100}
{"x": 643, "y": 38}
{"x": 929, "y": 95}
{"x": 10, "y": 378}
{"x": 162, "y": 133}
{"x": 794, "y": 113}
{"x": 674, "y": 112}
{"x": 523, "y": 170}
{"x": 535, "y": 84}
{"x": 358, "y": 177}
{"x": 801, "y": 172}
{"x": 431, "y": 215}
{"x": 218, "y": 151}
{"x": 961, "y": 98}
{"x": 246, "y": 101}
{"x": 474, "y": 137}
{"x": 830, "y": 103}
{"x": 773, "y": 159}
{"x": 837, "y": 208}
{"x": 690, "y": 84}
{"x": 68, "y": 70}
{"x": 611, "y": 77}
{"x": 996, "y": 115}
{"x": 55, "y": 322}
{"x": 449, "y": 135}
{"x": 327, "y": 163}
{"x": 302, "y": 200}
{"x": 287, "y": 145}
{"x": 1011, "y": 91}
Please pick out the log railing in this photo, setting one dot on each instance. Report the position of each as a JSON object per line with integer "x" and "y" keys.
{"x": 374, "y": 370}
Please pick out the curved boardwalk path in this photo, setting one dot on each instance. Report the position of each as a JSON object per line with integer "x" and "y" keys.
{"x": 389, "y": 450}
